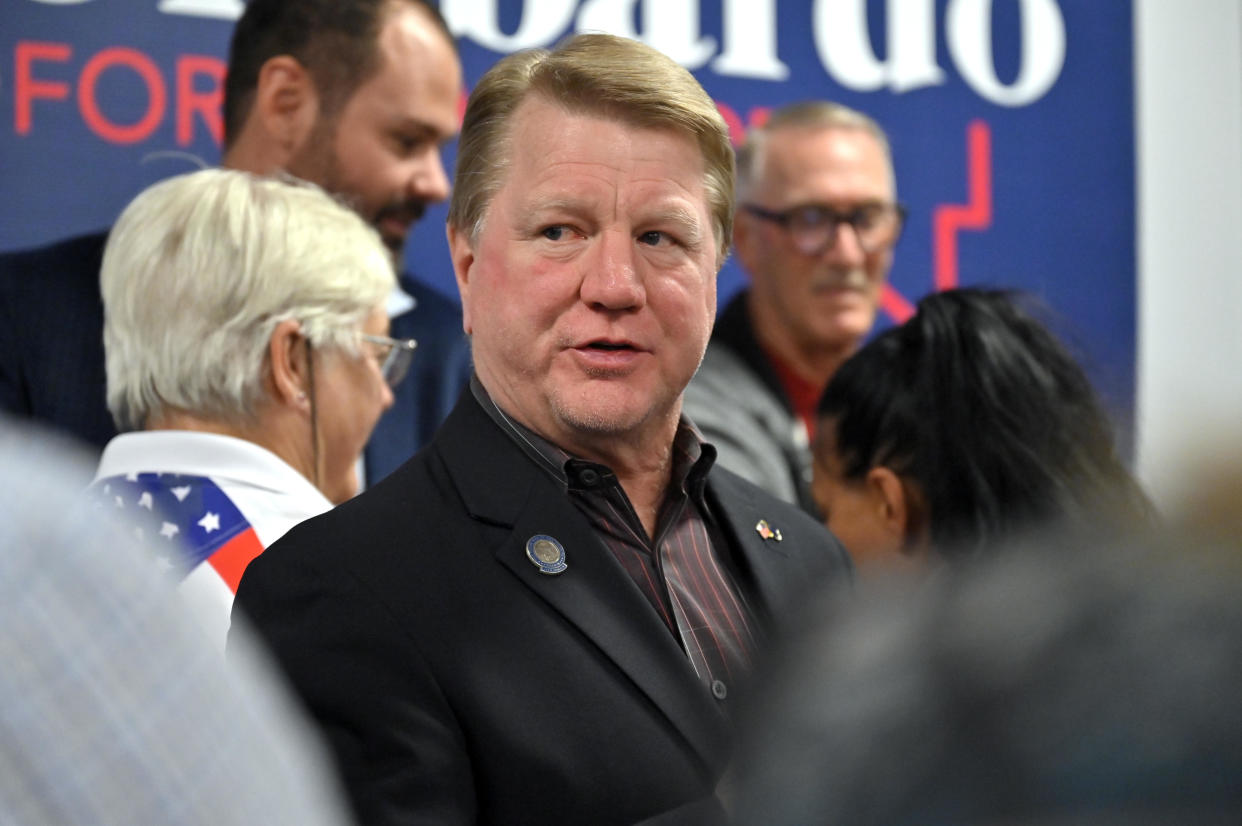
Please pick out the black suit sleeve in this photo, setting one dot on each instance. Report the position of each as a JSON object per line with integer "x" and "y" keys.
{"x": 394, "y": 736}
{"x": 12, "y": 397}
{"x": 51, "y": 338}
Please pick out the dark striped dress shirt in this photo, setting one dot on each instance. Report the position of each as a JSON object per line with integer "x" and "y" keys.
{"x": 681, "y": 570}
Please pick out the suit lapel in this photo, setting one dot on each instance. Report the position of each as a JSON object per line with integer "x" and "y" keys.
{"x": 766, "y": 559}
{"x": 517, "y": 500}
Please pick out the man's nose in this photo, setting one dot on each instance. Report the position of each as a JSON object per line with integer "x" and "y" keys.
{"x": 612, "y": 280}
{"x": 428, "y": 181}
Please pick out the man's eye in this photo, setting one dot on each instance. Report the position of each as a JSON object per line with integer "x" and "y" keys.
{"x": 407, "y": 144}
{"x": 809, "y": 217}
{"x": 556, "y": 233}
{"x": 866, "y": 216}
{"x": 653, "y": 238}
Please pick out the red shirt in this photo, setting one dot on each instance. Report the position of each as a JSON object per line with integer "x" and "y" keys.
{"x": 802, "y": 394}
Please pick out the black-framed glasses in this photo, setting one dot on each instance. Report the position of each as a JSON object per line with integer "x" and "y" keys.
{"x": 394, "y": 356}
{"x": 813, "y": 227}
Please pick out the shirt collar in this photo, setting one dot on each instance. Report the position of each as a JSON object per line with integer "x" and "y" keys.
{"x": 692, "y": 456}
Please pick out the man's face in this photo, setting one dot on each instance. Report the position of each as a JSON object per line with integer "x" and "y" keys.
{"x": 381, "y": 151}
{"x": 828, "y": 300}
{"x": 591, "y": 289}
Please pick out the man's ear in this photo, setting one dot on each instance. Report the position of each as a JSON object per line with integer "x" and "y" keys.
{"x": 461, "y": 250}
{"x": 286, "y": 105}
{"x": 289, "y": 374}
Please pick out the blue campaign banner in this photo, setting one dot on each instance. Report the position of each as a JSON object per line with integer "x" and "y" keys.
{"x": 1011, "y": 121}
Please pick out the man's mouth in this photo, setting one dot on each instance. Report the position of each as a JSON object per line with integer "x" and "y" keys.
{"x": 608, "y": 357}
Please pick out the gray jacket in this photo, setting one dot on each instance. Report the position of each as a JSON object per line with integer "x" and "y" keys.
{"x": 737, "y": 403}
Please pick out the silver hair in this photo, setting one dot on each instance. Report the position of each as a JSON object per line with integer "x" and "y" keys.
{"x": 201, "y": 268}
{"x": 812, "y": 115}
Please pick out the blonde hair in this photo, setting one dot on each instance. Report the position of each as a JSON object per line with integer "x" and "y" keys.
{"x": 199, "y": 270}
{"x": 598, "y": 74}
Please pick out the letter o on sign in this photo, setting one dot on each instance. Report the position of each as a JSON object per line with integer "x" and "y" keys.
{"x": 157, "y": 95}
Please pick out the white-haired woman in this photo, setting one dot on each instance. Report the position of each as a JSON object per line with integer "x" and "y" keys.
{"x": 245, "y": 335}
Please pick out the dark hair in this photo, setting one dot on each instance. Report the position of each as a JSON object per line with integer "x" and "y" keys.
{"x": 978, "y": 403}
{"x": 334, "y": 39}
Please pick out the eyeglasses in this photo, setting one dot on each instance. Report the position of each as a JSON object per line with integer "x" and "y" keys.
{"x": 394, "y": 356}
{"x": 813, "y": 228}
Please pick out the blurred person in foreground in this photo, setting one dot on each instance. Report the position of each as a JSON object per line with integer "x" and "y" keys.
{"x": 545, "y": 615}
{"x": 357, "y": 96}
{"x": 247, "y": 356}
{"x": 114, "y": 709}
{"x": 1067, "y": 681}
{"x": 817, "y": 219}
{"x": 965, "y": 426}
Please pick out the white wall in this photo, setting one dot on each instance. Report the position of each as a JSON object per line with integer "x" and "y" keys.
{"x": 1188, "y": 57}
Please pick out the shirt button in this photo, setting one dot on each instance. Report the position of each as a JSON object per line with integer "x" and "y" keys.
{"x": 588, "y": 476}
{"x": 719, "y": 690}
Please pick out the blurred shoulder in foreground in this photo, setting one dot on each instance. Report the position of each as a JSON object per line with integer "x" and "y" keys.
{"x": 1067, "y": 682}
{"x": 114, "y": 707}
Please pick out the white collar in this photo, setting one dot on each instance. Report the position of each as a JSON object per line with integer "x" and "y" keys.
{"x": 399, "y": 302}
{"x": 203, "y": 454}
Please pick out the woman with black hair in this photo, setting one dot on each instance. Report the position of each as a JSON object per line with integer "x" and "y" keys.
{"x": 961, "y": 428}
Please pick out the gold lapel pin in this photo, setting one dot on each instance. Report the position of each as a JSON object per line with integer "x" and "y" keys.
{"x": 547, "y": 554}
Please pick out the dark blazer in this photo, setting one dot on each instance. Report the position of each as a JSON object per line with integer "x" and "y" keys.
{"x": 51, "y": 338}
{"x": 456, "y": 683}
{"x": 52, "y": 356}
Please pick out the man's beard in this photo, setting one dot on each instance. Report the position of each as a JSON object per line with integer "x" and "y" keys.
{"x": 317, "y": 162}
{"x": 407, "y": 210}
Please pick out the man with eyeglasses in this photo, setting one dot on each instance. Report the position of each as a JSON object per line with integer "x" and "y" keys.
{"x": 816, "y": 223}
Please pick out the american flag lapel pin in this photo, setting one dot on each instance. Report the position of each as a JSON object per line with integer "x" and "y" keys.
{"x": 766, "y": 531}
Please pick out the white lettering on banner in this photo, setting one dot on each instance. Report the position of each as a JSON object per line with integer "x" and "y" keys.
{"x": 750, "y": 48}
{"x": 750, "y": 41}
{"x": 841, "y": 35}
{"x": 542, "y": 22}
{"x": 220, "y": 9}
{"x": 968, "y": 26}
{"x": 672, "y": 26}
{"x": 844, "y": 45}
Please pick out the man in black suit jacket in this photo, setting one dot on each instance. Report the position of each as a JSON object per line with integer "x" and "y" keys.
{"x": 51, "y": 338}
{"x": 547, "y": 615}
{"x": 354, "y": 95}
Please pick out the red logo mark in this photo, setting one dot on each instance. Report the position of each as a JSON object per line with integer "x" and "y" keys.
{"x": 976, "y": 214}
{"x": 949, "y": 219}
